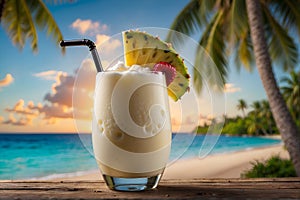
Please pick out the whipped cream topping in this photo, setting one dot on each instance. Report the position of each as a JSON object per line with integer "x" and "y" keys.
{"x": 120, "y": 67}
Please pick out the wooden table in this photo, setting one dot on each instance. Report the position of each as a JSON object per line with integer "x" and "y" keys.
{"x": 283, "y": 188}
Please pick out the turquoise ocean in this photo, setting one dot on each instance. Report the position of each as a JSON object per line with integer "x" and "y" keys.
{"x": 45, "y": 156}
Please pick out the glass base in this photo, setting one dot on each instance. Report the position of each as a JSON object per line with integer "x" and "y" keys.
{"x": 132, "y": 184}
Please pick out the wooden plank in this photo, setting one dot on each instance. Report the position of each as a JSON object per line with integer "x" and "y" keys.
{"x": 284, "y": 188}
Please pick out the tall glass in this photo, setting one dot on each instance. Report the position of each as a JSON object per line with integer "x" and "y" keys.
{"x": 131, "y": 128}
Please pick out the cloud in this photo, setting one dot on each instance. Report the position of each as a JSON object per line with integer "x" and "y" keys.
{"x": 57, "y": 103}
{"x": 109, "y": 50}
{"x": 22, "y": 121}
{"x": 84, "y": 89}
{"x": 24, "y": 113}
{"x": 107, "y": 43}
{"x": 62, "y": 90}
{"x": 8, "y": 79}
{"x": 10, "y": 120}
{"x": 68, "y": 96}
{"x": 48, "y": 75}
{"x": 88, "y": 27}
{"x": 231, "y": 88}
{"x": 185, "y": 124}
{"x": 86, "y": 75}
{"x": 190, "y": 122}
{"x": 55, "y": 111}
{"x": 19, "y": 108}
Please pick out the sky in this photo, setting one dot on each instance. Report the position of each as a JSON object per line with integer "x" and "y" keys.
{"x": 36, "y": 88}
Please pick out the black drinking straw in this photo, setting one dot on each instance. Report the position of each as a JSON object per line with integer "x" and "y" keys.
{"x": 88, "y": 43}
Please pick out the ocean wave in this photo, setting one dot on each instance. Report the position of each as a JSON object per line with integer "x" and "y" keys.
{"x": 63, "y": 156}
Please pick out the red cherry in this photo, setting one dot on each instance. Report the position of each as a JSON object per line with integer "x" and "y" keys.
{"x": 167, "y": 69}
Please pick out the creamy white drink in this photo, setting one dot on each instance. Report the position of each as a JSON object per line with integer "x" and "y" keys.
{"x": 131, "y": 123}
{"x": 131, "y": 131}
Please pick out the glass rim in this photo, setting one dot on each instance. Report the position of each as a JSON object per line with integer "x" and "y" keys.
{"x": 132, "y": 71}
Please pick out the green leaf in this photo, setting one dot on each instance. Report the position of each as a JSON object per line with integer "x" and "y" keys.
{"x": 187, "y": 20}
{"x": 28, "y": 22}
{"x": 210, "y": 63}
{"x": 287, "y": 13}
{"x": 12, "y": 22}
{"x": 44, "y": 20}
{"x": 237, "y": 20}
{"x": 244, "y": 52}
{"x": 282, "y": 47}
{"x": 21, "y": 18}
{"x": 194, "y": 16}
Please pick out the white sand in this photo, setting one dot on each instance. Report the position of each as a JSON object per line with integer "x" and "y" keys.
{"x": 223, "y": 165}
{"x": 229, "y": 165}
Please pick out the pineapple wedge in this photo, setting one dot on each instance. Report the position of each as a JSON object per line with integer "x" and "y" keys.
{"x": 141, "y": 48}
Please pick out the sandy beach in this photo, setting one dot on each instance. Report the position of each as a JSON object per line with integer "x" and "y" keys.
{"x": 229, "y": 165}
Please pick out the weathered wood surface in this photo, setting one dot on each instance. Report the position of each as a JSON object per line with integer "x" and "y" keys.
{"x": 284, "y": 188}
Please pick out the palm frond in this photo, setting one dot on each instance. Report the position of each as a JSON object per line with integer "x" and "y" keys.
{"x": 238, "y": 38}
{"x": 187, "y": 20}
{"x": 286, "y": 91}
{"x": 237, "y": 20}
{"x": 44, "y": 20}
{"x": 287, "y": 80}
{"x": 243, "y": 52}
{"x": 281, "y": 46}
{"x": 20, "y": 18}
{"x": 291, "y": 90}
{"x": 193, "y": 16}
{"x": 31, "y": 30}
{"x": 12, "y": 22}
{"x": 210, "y": 62}
{"x": 241, "y": 104}
{"x": 287, "y": 13}
{"x": 208, "y": 5}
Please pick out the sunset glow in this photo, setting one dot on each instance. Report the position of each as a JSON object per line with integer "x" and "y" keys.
{"x": 36, "y": 90}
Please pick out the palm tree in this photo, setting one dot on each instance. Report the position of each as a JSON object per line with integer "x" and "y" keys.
{"x": 283, "y": 118}
{"x": 256, "y": 115}
{"x": 256, "y": 105}
{"x": 22, "y": 18}
{"x": 240, "y": 27}
{"x": 267, "y": 116}
{"x": 291, "y": 93}
{"x": 242, "y": 105}
{"x": 253, "y": 124}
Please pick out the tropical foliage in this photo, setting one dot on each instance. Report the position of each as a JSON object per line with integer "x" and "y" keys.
{"x": 242, "y": 105}
{"x": 226, "y": 31}
{"x": 259, "y": 120}
{"x": 291, "y": 92}
{"x": 275, "y": 167}
{"x": 22, "y": 18}
{"x": 235, "y": 126}
{"x": 248, "y": 29}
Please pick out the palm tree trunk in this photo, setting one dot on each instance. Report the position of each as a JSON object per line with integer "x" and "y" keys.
{"x": 282, "y": 116}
